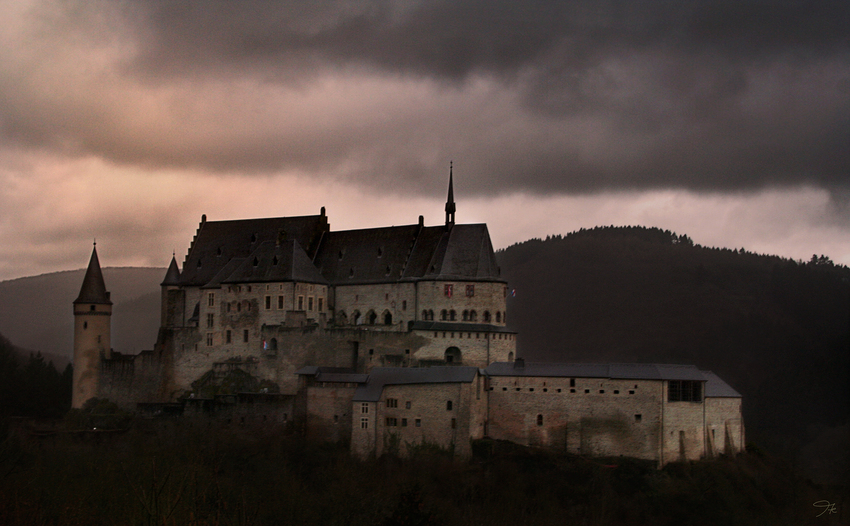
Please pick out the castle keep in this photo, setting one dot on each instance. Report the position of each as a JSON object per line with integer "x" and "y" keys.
{"x": 387, "y": 338}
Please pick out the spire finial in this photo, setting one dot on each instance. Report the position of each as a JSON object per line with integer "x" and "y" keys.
{"x": 450, "y": 200}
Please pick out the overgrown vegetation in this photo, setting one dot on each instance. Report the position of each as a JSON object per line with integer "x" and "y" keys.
{"x": 32, "y": 387}
{"x": 200, "y": 472}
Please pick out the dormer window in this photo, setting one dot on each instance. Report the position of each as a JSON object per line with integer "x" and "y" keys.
{"x": 380, "y": 251}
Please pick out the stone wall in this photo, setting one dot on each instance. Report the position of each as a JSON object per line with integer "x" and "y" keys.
{"x": 724, "y": 426}
{"x": 419, "y": 415}
{"x": 488, "y": 297}
{"x": 588, "y": 416}
{"x": 328, "y": 411}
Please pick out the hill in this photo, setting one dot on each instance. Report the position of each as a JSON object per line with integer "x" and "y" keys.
{"x": 36, "y": 313}
{"x": 777, "y": 330}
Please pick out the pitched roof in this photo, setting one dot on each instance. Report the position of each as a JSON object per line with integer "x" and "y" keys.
{"x": 632, "y": 371}
{"x": 410, "y": 252}
{"x": 715, "y": 387}
{"x": 93, "y": 289}
{"x": 272, "y": 262}
{"x": 383, "y": 376}
{"x": 217, "y": 242}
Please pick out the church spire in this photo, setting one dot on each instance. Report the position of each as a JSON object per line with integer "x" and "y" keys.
{"x": 450, "y": 201}
{"x": 93, "y": 289}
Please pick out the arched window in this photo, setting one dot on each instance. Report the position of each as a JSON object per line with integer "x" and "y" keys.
{"x": 343, "y": 319}
{"x": 273, "y": 344}
{"x": 425, "y": 314}
{"x": 486, "y": 316}
{"x": 453, "y": 356}
{"x": 372, "y": 317}
{"x": 444, "y": 314}
{"x": 448, "y": 405}
{"x": 539, "y": 420}
{"x": 466, "y": 315}
{"x": 510, "y": 356}
{"x": 388, "y": 318}
{"x": 452, "y": 315}
{"x": 355, "y": 318}
{"x": 473, "y": 316}
{"x": 431, "y": 315}
{"x": 498, "y": 317}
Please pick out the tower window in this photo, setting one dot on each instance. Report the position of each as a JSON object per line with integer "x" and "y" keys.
{"x": 470, "y": 291}
{"x": 211, "y": 299}
{"x": 245, "y": 335}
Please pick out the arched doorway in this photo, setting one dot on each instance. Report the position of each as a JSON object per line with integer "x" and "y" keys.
{"x": 453, "y": 356}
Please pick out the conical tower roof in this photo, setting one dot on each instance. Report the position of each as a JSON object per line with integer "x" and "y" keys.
{"x": 172, "y": 276}
{"x": 93, "y": 289}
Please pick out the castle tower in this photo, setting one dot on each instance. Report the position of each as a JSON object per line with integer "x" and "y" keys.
{"x": 450, "y": 202}
{"x": 92, "y": 333}
{"x": 172, "y": 298}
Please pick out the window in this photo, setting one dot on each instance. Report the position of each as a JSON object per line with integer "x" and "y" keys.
{"x": 268, "y": 302}
{"x": 444, "y": 314}
{"x": 403, "y": 422}
{"x": 486, "y": 316}
{"x": 639, "y": 417}
{"x": 392, "y": 402}
{"x": 364, "y": 423}
{"x": 228, "y": 307}
{"x": 448, "y": 405}
{"x": 452, "y": 315}
{"x": 310, "y": 303}
{"x": 539, "y": 420}
{"x": 407, "y": 405}
{"x": 209, "y": 339}
{"x": 392, "y": 421}
{"x": 454, "y": 423}
{"x": 300, "y": 302}
{"x": 572, "y": 382}
{"x": 245, "y": 335}
{"x": 498, "y": 317}
{"x": 470, "y": 291}
{"x": 210, "y": 319}
{"x": 280, "y": 303}
{"x": 227, "y": 336}
{"x": 403, "y": 304}
{"x": 447, "y": 289}
{"x": 364, "y": 408}
{"x": 211, "y": 299}
{"x": 418, "y": 422}
{"x": 684, "y": 391}
{"x": 321, "y": 304}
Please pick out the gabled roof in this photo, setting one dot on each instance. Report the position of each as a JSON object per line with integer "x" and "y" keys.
{"x": 93, "y": 289}
{"x": 715, "y": 387}
{"x": 410, "y": 252}
{"x": 276, "y": 262}
{"x": 383, "y": 376}
{"x": 218, "y": 242}
{"x": 631, "y": 371}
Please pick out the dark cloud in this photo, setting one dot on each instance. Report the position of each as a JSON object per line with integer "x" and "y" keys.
{"x": 590, "y": 95}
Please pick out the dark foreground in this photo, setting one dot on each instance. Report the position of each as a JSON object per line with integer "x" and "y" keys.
{"x": 197, "y": 473}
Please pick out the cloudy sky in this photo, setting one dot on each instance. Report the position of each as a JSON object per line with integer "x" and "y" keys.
{"x": 126, "y": 120}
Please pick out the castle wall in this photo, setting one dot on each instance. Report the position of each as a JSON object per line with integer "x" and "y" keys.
{"x": 588, "y": 416}
{"x": 487, "y": 297}
{"x": 724, "y": 426}
{"x": 397, "y": 299}
{"x": 478, "y": 349}
{"x": 128, "y": 380}
{"x": 420, "y": 416}
{"x": 328, "y": 411}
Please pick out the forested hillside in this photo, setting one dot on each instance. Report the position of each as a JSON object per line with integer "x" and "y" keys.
{"x": 36, "y": 312}
{"x": 777, "y": 330}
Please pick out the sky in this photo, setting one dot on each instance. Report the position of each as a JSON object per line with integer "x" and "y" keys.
{"x": 125, "y": 121}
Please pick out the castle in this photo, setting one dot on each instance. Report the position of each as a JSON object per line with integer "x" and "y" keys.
{"x": 388, "y": 339}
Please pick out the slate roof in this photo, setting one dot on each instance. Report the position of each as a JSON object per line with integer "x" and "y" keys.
{"x": 715, "y": 387}
{"x": 275, "y": 262}
{"x": 632, "y": 371}
{"x": 217, "y": 242}
{"x": 310, "y": 252}
{"x": 333, "y": 374}
{"x": 383, "y": 376}
{"x": 93, "y": 289}
{"x": 172, "y": 275}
